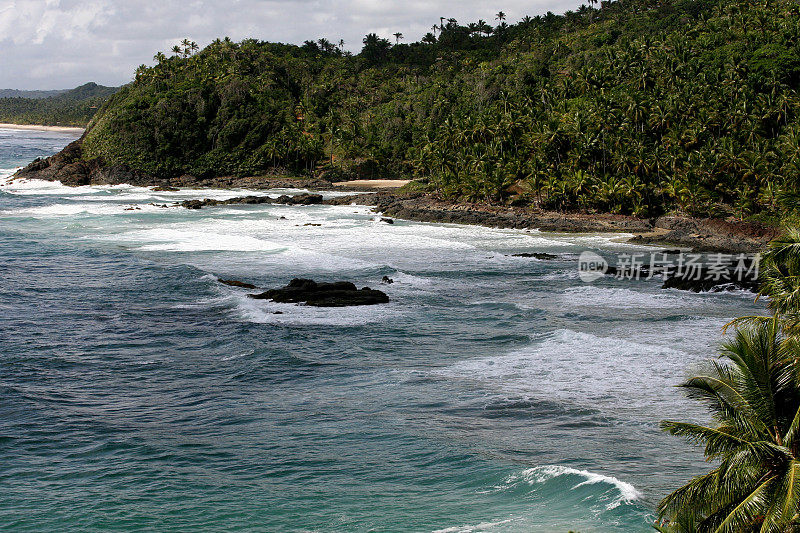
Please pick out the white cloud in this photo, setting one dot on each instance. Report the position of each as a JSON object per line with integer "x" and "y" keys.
{"x": 62, "y": 43}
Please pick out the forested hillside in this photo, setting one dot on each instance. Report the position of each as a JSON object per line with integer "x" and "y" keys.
{"x": 632, "y": 106}
{"x": 16, "y": 93}
{"x": 74, "y": 107}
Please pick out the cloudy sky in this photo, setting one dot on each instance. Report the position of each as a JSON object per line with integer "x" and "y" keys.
{"x": 55, "y": 44}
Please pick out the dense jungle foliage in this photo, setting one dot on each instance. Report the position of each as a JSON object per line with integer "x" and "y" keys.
{"x": 74, "y": 107}
{"x": 630, "y": 106}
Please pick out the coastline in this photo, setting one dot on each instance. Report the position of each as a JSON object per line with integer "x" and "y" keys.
{"x": 698, "y": 234}
{"x": 36, "y": 127}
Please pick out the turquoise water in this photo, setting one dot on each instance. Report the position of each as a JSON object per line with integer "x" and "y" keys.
{"x": 493, "y": 394}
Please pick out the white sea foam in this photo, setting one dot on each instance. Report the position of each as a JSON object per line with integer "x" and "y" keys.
{"x": 66, "y": 210}
{"x": 135, "y": 193}
{"x": 477, "y": 528}
{"x": 581, "y": 369}
{"x": 41, "y": 187}
{"x": 622, "y": 298}
{"x": 5, "y": 173}
{"x": 411, "y": 280}
{"x": 572, "y": 274}
{"x": 627, "y": 493}
{"x": 184, "y": 240}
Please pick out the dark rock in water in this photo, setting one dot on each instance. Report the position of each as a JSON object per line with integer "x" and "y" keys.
{"x": 235, "y": 283}
{"x": 387, "y": 280}
{"x": 338, "y": 294}
{"x": 704, "y": 284}
{"x": 387, "y": 220}
{"x": 312, "y": 224}
{"x": 164, "y": 188}
{"x": 69, "y": 167}
{"x": 299, "y": 199}
{"x": 537, "y": 255}
{"x": 193, "y": 204}
{"x": 699, "y": 277}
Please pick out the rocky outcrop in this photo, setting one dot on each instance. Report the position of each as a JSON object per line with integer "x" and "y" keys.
{"x": 350, "y": 199}
{"x": 68, "y": 167}
{"x": 338, "y": 294}
{"x": 708, "y": 274}
{"x": 424, "y": 207}
{"x": 706, "y": 282}
{"x": 298, "y": 199}
{"x": 699, "y": 234}
{"x": 710, "y": 234}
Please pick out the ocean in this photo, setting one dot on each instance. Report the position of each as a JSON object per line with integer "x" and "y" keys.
{"x": 493, "y": 394}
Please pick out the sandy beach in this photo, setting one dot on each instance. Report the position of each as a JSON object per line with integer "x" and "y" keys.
{"x": 372, "y": 184}
{"x": 58, "y": 129}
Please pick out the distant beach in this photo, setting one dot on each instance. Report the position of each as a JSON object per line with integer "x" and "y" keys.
{"x": 59, "y": 129}
{"x": 372, "y": 184}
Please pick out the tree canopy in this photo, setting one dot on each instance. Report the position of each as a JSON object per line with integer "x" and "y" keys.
{"x": 74, "y": 107}
{"x": 634, "y": 107}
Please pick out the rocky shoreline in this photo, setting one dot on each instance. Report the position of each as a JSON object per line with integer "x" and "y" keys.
{"x": 698, "y": 234}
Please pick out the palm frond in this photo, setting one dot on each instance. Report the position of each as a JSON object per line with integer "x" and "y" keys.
{"x": 743, "y": 516}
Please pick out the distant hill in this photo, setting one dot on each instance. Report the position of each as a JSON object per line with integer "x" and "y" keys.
{"x": 69, "y": 107}
{"x": 85, "y": 92}
{"x": 35, "y": 95}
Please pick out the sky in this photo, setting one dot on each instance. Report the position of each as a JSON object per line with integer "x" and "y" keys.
{"x": 59, "y": 44}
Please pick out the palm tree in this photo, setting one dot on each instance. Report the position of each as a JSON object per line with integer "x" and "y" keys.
{"x": 500, "y": 16}
{"x": 397, "y": 37}
{"x": 434, "y": 28}
{"x": 781, "y": 278}
{"x": 375, "y": 48}
{"x": 755, "y": 402}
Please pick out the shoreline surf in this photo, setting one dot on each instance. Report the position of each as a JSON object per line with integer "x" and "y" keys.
{"x": 38, "y": 127}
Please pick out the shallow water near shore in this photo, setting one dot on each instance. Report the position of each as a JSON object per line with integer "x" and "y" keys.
{"x": 494, "y": 393}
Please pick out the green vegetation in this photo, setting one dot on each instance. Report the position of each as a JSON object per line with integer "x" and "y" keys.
{"x": 74, "y": 107}
{"x": 754, "y": 396}
{"x": 16, "y": 93}
{"x": 636, "y": 107}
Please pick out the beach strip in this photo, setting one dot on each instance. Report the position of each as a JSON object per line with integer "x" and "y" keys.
{"x": 57, "y": 129}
